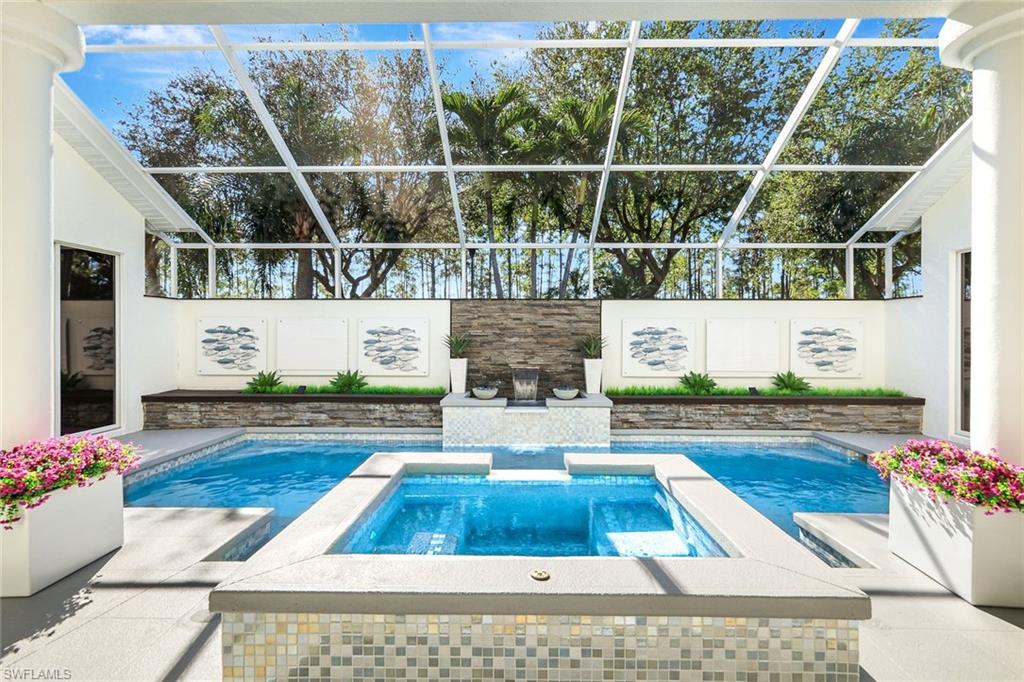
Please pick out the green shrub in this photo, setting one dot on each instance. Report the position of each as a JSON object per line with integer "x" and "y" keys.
{"x": 264, "y": 382}
{"x": 348, "y": 382}
{"x": 790, "y": 382}
{"x": 591, "y": 346}
{"x": 698, "y": 384}
{"x": 71, "y": 381}
{"x": 457, "y": 345}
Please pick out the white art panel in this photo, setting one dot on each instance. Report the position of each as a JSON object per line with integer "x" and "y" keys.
{"x": 394, "y": 346}
{"x": 91, "y": 346}
{"x": 657, "y": 347}
{"x": 827, "y": 348}
{"x": 310, "y": 345}
{"x": 742, "y": 347}
{"x": 232, "y": 345}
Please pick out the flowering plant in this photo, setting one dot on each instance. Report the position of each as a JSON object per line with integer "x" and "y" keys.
{"x": 940, "y": 468}
{"x": 29, "y": 472}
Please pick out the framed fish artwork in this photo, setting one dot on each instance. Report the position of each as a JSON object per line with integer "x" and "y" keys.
{"x": 658, "y": 347}
{"x": 831, "y": 348}
{"x": 394, "y": 346}
{"x": 91, "y": 346}
{"x": 231, "y": 345}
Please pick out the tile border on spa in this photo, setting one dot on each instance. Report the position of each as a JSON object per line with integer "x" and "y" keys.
{"x": 768, "y": 573}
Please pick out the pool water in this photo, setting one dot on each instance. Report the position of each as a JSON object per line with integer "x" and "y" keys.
{"x": 571, "y": 516}
{"x": 289, "y": 476}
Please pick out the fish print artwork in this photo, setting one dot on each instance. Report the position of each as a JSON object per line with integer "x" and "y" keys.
{"x": 827, "y": 348}
{"x": 231, "y": 347}
{"x": 98, "y": 349}
{"x": 92, "y": 346}
{"x": 393, "y": 347}
{"x": 657, "y": 348}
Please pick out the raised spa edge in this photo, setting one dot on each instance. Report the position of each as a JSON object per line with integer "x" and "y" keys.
{"x": 767, "y": 574}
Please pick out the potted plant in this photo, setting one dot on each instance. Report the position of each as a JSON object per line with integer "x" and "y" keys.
{"x": 591, "y": 346}
{"x": 61, "y": 507}
{"x": 457, "y": 345}
{"x": 958, "y": 516}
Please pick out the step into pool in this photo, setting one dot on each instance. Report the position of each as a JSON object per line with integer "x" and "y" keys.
{"x": 567, "y": 516}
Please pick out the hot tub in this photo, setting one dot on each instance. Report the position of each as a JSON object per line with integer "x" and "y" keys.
{"x": 479, "y": 596}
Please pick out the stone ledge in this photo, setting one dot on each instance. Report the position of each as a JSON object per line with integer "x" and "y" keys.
{"x": 764, "y": 400}
{"x": 208, "y": 396}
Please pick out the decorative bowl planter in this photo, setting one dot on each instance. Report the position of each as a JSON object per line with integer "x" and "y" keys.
{"x": 74, "y": 527}
{"x": 565, "y": 392}
{"x": 978, "y": 556}
{"x": 457, "y": 368}
{"x": 485, "y": 392}
{"x": 592, "y": 370}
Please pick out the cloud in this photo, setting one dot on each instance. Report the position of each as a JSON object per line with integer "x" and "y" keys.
{"x": 485, "y": 31}
{"x": 148, "y": 34}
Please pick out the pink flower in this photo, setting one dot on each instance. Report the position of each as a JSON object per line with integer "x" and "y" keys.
{"x": 30, "y": 471}
{"x": 941, "y": 468}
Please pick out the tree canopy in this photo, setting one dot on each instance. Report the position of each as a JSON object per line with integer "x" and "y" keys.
{"x": 693, "y": 106}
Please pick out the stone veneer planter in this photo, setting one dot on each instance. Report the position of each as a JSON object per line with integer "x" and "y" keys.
{"x": 805, "y": 413}
{"x": 184, "y": 409}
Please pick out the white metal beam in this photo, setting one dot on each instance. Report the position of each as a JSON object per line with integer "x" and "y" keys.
{"x": 620, "y": 102}
{"x": 540, "y": 168}
{"x": 442, "y": 125}
{"x": 888, "y": 290}
{"x": 828, "y": 62}
{"x": 263, "y": 114}
{"x": 511, "y": 44}
{"x": 849, "y": 275}
{"x": 454, "y": 246}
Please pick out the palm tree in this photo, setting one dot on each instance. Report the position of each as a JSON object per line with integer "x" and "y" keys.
{"x": 580, "y": 132}
{"x": 488, "y": 131}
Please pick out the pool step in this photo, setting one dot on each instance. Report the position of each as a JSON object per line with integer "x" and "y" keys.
{"x": 611, "y": 536}
{"x": 451, "y": 523}
{"x": 433, "y": 543}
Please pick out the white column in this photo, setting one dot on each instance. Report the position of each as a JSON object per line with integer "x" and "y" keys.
{"x": 992, "y": 46}
{"x": 36, "y": 43}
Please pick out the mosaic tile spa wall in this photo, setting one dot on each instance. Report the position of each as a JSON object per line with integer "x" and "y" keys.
{"x": 363, "y": 647}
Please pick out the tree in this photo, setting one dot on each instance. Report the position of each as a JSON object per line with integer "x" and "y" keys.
{"x": 880, "y": 106}
{"x": 331, "y": 108}
{"x": 487, "y": 131}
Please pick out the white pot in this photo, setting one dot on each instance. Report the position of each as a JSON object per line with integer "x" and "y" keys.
{"x": 71, "y": 529}
{"x": 457, "y": 367}
{"x": 592, "y": 370}
{"x": 977, "y": 556}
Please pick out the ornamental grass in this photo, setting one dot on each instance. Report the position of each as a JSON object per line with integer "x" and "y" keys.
{"x": 944, "y": 471}
{"x": 31, "y": 471}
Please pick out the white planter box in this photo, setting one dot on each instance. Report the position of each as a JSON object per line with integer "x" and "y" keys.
{"x": 457, "y": 367}
{"x": 979, "y": 557}
{"x": 71, "y": 529}
{"x": 592, "y": 371}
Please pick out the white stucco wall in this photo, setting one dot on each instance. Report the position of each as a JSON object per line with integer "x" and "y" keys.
{"x": 89, "y": 213}
{"x": 872, "y": 314}
{"x": 921, "y": 333}
{"x": 438, "y": 313}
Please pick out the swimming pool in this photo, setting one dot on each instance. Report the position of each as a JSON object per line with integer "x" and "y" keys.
{"x": 568, "y": 516}
{"x": 290, "y": 475}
